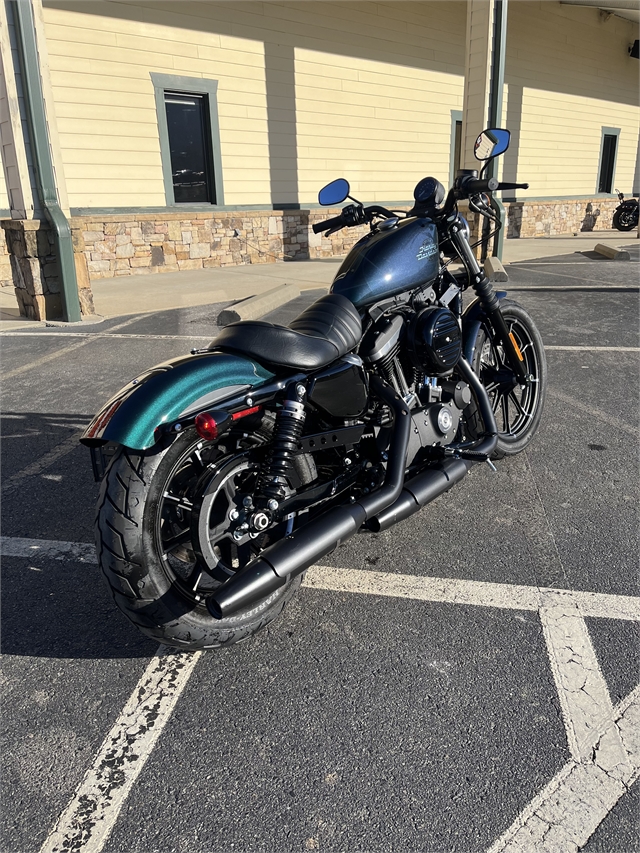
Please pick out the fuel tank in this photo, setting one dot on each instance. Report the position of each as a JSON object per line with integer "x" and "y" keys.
{"x": 389, "y": 261}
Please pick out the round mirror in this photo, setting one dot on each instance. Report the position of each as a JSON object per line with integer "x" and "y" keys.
{"x": 334, "y": 193}
{"x": 491, "y": 143}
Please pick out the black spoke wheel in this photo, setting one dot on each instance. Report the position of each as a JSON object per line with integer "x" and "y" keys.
{"x": 625, "y": 219}
{"x": 517, "y": 408}
{"x": 149, "y": 512}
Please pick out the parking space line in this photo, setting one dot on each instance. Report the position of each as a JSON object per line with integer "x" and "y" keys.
{"x": 107, "y": 334}
{"x": 603, "y": 740}
{"x": 584, "y": 697}
{"x": 365, "y": 582}
{"x": 605, "y": 417}
{"x": 17, "y": 371}
{"x": 9, "y": 484}
{"x": 566, "y": 813}
{"x": 591, "y": 349}
{"x": 469, "y": 592}
{"x": 91, "y": 815}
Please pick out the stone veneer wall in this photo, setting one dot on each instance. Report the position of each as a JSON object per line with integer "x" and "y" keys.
{"x": 564, "y": 216}
{"x": 130, "y": 244}
{"x": 117, "y": 245}
{"x": 34, "y": 269}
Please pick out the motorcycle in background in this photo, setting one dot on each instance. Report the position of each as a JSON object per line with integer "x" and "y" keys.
{"x": 625, "y": 216}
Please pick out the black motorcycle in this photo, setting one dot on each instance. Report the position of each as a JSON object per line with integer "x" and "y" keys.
{"x": 228, "y": 472}
{"x": 625, "y": 216}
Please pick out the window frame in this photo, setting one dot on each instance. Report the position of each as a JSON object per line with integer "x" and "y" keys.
{"x": 607, "y": 131}
{"x": 456, "y": 116}
{"x": 188, "y": 86}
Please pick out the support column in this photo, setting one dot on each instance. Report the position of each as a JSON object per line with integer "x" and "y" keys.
{"x": 484, "y": 84}
{"x": 477, "y": 76}
{"x": 44, "y": 265}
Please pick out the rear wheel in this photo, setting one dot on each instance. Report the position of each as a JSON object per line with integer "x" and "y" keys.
{"x": 517, "y": 409}
{"x": 150, "y": 503}
{"x": 625, "y": 219}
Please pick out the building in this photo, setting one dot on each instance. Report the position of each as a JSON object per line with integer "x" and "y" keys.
{"x": 181, "y": 135}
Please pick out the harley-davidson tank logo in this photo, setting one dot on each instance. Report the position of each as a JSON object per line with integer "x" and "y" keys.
{"x": 427, "y": 249}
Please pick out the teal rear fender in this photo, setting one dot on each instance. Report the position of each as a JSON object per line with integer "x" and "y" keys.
{"x": 169, "y": 391}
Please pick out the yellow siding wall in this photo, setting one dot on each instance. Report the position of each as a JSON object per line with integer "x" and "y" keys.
{"x": 572, "y": 73}
{"x": 375, "y": 84}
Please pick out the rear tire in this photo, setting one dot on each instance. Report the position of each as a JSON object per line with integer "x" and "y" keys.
{"x": 517, "y": 410}
{"x": 164, "y": 594}
{"x": 625, "y": 220}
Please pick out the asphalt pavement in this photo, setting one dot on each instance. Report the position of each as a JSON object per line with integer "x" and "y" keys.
{"x": 417, "y": 695}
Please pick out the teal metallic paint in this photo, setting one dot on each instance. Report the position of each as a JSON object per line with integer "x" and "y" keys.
{"x": 159, "y": 396}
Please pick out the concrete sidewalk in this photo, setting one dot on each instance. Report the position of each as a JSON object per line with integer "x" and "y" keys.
{"x": 115, "y": 297}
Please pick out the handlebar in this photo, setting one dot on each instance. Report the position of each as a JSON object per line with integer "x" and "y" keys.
{"x": 327, "y": 224}
{"x": 472, "y": 186}
{"x": 351, "y": 215}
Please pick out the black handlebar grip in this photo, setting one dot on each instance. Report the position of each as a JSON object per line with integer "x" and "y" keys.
{"x": 336, "y": 222}
{"x": 505, "y": 185}
{"x": 473, "y": 185}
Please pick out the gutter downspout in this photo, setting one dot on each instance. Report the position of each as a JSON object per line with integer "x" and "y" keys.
{"x": 45, "y": 176}
{"x": 496, "y": 89}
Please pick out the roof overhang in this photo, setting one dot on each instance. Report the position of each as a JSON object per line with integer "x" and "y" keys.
{"x": 628, "y": 9}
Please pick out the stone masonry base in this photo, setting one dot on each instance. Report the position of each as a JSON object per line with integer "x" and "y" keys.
{"x": 114, "y": 245}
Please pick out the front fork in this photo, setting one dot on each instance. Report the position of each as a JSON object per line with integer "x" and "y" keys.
{"x": 489, "y": 301}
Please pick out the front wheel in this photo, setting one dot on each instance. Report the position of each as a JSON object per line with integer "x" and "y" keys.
{"x": 625, "y": 219}
{"x": 517, "y": 409}
{"x": 144, "y": 536}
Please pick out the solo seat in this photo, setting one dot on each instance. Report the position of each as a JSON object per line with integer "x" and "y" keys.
{"x": 325, "y": 331}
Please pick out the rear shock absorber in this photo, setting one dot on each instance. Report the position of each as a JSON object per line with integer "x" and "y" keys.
{"x": 286, "y": 437}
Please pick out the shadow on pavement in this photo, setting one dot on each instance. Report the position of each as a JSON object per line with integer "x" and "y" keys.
{"x": 55, "y": 608}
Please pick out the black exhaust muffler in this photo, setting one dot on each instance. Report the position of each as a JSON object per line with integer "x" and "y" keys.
{"x": 421, "y": 490}
{"x": 315, "y": 540}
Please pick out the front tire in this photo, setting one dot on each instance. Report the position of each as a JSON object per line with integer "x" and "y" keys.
{"x": 144, "y": 546}
{"x": 517, "y": 410}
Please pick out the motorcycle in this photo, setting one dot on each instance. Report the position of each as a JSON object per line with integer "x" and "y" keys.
{"x": 625, "y": 216}
{"x": 228, "y": 472}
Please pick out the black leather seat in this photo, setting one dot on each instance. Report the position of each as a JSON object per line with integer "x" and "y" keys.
{"x": 327, "y": 330}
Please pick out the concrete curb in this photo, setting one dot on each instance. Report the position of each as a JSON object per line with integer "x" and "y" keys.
{"x": 612, "y": 252}
{"x": 494, "y": 270}
{"x": 258, "y": 306}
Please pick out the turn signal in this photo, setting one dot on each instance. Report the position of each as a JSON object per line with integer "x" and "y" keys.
{"x": 206, "y": 426}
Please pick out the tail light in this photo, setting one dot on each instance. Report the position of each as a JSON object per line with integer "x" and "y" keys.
{"x": 206, "y": 426}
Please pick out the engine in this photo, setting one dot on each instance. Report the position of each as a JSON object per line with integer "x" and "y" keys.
{"x": 416, "y": 352}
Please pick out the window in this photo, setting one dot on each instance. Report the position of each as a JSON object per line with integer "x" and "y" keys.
{"x": 189, "y": 139}
{"x": 608, "y": 150}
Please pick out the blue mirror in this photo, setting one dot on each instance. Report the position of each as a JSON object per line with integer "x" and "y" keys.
{"x": 491, "y": 143}
{"x": 334, "y": 193}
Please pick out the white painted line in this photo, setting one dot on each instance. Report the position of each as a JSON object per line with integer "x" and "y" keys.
{"x": 584, "y": 697}
{"x": 417, "y": 587}
{"x": 79, "y": 552}
{"x": 478, "y": 593}
{"x": 605, "y": 417}
{"x": 125, "y": 336}
{"x": 566, "y": 813}
{"x": 65, "y": 447}
{"x": 46, "y": 358}
{"x": 91, "y": 815}
{"x": 592, "y": 349}
{"x": 604, "y": 742}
